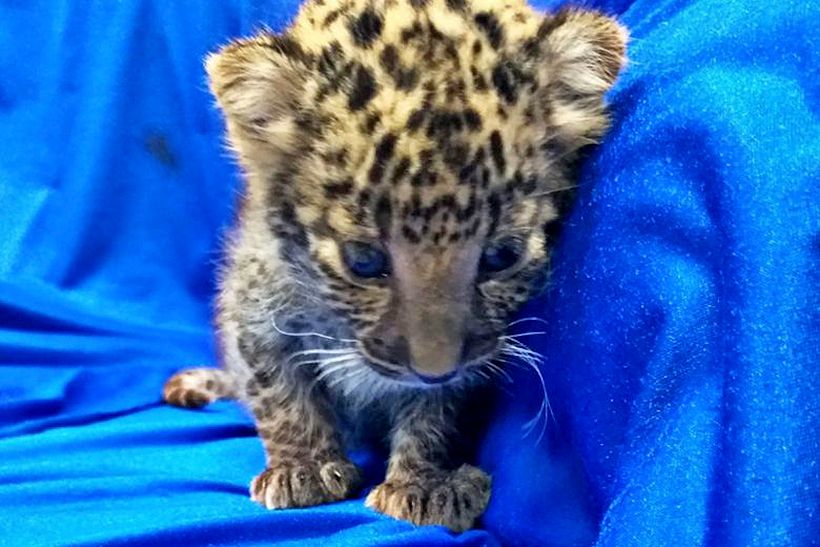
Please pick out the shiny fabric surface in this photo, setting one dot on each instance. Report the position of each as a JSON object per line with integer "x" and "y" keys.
{"x": 680, "y": 331}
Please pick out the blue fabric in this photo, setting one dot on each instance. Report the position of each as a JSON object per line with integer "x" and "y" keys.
{"x": 681, "y": 347}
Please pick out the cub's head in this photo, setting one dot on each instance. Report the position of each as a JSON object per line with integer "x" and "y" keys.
{"x": 408, "y": 158}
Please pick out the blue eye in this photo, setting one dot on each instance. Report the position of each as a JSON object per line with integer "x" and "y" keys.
{"x": 500, "y": 256}
{"x": 365, "y": 261}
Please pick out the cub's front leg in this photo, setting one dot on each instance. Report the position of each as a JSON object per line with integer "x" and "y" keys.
{"x": 306, "y": 464}
{"x": 423, "y": 485}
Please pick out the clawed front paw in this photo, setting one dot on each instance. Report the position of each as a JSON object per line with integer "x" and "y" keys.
{"x": 452, "y": 499}
{"x": 302, "y": 484}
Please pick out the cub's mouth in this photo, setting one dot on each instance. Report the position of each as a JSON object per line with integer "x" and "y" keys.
{"x": 407, "y": 377}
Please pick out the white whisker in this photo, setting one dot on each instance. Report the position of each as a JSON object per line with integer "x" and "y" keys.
{"x": 348, "y": 376}
{"x": 516, "y": 349}
{"x": 316, "y": 334}
{"x": 482, "y": 374}
{"x": 523, "y": 319}
{"x": 493, "y": 367}
{"x": 556, "y": 190}
{"x": 522, "y": 334}
{"x": 543, "y": 409}
{"x": 319, "y": 351}
{"x": 338, "y": 359}
{"x": 528, "y": 359}
{"x": 330, "y": 368}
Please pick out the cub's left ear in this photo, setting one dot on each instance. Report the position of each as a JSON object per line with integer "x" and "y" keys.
{"x": 585, "y": 49}
{"x": 580, "y": 55}
{"x": 258, "y": 83}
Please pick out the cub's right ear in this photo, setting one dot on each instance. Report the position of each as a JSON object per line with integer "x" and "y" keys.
{"x": 258, "y": 83}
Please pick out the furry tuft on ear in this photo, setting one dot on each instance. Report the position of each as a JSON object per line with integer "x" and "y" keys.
{"x": 581, "y": 54}
{"x": 258, "y": 84}
{"x": 586, "y": 49}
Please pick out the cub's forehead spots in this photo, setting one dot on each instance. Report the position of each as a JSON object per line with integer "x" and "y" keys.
{"x": 366, "y": 28}
{"x": 383, "y": 154}
{"x": 363, "y": 88}
{"x": 488, "y": 23}
{"x": 404, "y": 77}
{"x": 431, "y": 126}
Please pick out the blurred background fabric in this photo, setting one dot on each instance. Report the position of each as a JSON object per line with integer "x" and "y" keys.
{"x": 681, "y": 330}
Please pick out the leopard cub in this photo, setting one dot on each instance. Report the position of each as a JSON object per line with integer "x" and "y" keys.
{"x": 405, "y": 161}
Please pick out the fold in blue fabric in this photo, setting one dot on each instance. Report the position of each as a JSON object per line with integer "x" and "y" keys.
{"x": 680, "y": 331}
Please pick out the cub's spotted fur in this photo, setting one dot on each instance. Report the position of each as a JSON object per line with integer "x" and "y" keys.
{"x": 405, "y": 161}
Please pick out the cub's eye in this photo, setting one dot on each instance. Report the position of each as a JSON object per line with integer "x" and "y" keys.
{"x": 365, "y": 260}
{"x": 500, "y": 256}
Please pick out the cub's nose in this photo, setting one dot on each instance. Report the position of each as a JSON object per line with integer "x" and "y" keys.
{"x": 435, "y": 357}
{"x": 431, "y": 362}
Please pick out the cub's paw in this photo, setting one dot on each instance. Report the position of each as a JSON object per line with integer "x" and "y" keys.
{"x": 453, "y": 499}
{"x": 197, "y": 387}
{"x": 302, "y": 484}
